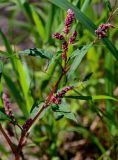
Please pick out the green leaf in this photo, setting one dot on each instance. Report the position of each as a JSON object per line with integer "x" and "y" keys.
{"x": 97, "y": 97}
{"x": 6, "y": 43}
{"x": 36, "y": 52}
{"x": 108, "y": 4}
{"x": 64, "y": 4}
{"x": 39, "y": 24}
{"x": 36, "y": 109}
{"x": 24, "y": 83}
{"x": 79, "y": 55}
{"x": 4, "y": 116}
{"x": 63, "y": 110}
{"x": 85, "y": 5}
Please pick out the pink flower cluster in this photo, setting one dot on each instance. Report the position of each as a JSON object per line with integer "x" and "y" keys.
{"x": 64, "y": 91}
{"x": 57, "y": 98}
{"x": 73, "y": 37}
{"x": 67, "y": 26}
{"x": 58, "y": 36}
{"x": 7, "y": 107}
{"x": 68, "y": 21}
{"x": 101, "y": 32}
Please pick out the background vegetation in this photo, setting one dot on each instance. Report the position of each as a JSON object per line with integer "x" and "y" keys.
{"x": 27, "y": 79}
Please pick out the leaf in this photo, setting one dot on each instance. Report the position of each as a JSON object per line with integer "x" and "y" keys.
{"x": 35, "y": 104}
{"x": 108, "y": 4}
{"x": 97, "y": 97}
{"x": 4, "y": 116}
{"x": 70, "y": 116}
{"x": 78, "y": 58}
{"x": 85, "y": 5}
{"x": 36, "y": 52}
{"x": 6, "y": 42}
{"x": 39, "y": 24}
{"x": 36, "y": 109}
{"x": 64, "y": 4}
{"x": 24, "y": 82}
{"x": 63, "y": 110}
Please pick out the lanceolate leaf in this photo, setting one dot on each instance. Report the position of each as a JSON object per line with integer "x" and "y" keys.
{"x": 97, "y": 97}
{"x": 78, "y": 58}
{"x": 36, "y": 52}
{"x": 64, "y": 4}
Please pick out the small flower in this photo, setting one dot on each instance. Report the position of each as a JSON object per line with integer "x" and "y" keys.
{"x": 68, "y": 21}
{"x": 7, "y": 107}
{"x": 64, "y": 91}
{"x": 73, "y": 37}
{"x": 55, "y": 100}
{"x": 65, "y": 46}
{"x": 101, "y": 32}
{"x": 58, "y": 36}
{"x": 27, "y": 124}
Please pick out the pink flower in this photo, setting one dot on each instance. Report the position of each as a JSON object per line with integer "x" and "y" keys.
{"x": 65, "y": 46}
{"x": 101, "y": 32}
{"x": 64, "y": 91}
{"x": 7, "y": 107}
{"x": 55, "y": 100}
{"x": 68, "y": 21}
{"x": 58, "y": 36}
{"x": 73, "y": 37}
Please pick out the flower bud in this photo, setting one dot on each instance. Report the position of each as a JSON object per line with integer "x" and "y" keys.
{"x": 101, "y": 32}
{"x": 7, "y": 107}
{"x": 58, "y": 36}
{"x": 73, "y": 37}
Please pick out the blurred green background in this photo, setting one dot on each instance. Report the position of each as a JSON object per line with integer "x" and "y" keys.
{"x": 28, "y": 24}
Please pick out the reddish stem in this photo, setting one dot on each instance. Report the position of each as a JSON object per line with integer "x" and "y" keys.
{"x": 24, "y": 133}
{"x": 8, "y": 140}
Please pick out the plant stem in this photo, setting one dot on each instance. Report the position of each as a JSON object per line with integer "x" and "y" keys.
{"x": 8, "y": 140}
{"x": 24, "y": 133}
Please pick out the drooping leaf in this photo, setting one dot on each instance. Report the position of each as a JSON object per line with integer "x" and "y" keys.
{"x": 63, "y": 110}
{"x": 78, "y": 58}
{"x": 36, "y": 52}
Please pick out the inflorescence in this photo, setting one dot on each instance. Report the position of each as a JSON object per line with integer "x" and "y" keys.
{"x": 7, "y": 107}
{"x": 67, "y": 27}
{"x": 101, "y": 32}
